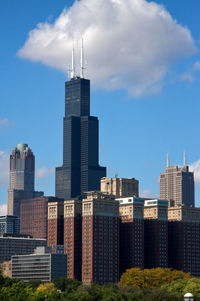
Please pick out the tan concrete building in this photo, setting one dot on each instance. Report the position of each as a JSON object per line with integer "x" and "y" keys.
{"x": 73, "y": 237}
{"x": 120, "y": 187}
{"x": 183, "y": 213}
{"x": 155, "y": 209}
{"x": 177, "y": 183}
{"x": 6, "y": 269}
{"x": 55, "y": 222}
{"x": 155, "y": 234}
{"x": 100, "y": 239}
{"x": 131, "y": 212}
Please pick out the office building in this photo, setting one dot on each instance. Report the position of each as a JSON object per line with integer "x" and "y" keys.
{"x": 9, "y": 224}
{"x": 42, "y": 265}
{"x": 100, "y": 239}
{"x": 120, "y": 187}
{"x": 80, "y": 171}
{"x": 131, "y": 212}
{"x": 34, "y": 216}
{"x": 55, "y": 223}
{"x": 177, "y": 183}
{"x": 73, "y": 237}
{"x": 12, "y": 245}
{"x": 183, "y": 213}
{"x": 21, "y": 179}
{"x": 155, "y": 234}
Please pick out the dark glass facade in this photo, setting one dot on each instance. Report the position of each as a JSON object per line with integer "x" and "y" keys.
{"x": 80, "y": 171}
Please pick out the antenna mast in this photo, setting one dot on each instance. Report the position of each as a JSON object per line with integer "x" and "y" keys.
{"x": 73, "y": 63}
{"x": 184, "y": 158}
{"x": 168, "y": 163}
{"x": 82, "y": 60}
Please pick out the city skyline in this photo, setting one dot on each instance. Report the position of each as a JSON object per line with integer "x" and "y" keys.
{"x": 127, "y": 120}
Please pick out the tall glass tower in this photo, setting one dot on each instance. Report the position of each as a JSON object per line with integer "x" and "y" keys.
{"x": 80, "y": 171}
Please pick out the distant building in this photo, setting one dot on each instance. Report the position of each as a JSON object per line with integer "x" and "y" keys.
{"x": 5, "y": 268}
{"x": 73, "y": 237}
{"x": 34, "y": 216}
{"x": 9, "y": 224}
{"x": 18, "y": 245}
{"x": 120, "y": 187}
{"x": 55, "y": 222}
{"x": 177, "y": 183}
{"x": 42, "y": 265}
{"x": 155, "y": 234}
{"x": 100, "y": 239}
{"x": 131, "y": 212}
{"x": 22, "y": 178}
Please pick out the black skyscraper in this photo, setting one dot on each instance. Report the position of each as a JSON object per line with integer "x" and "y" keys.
{"x": 80, "y": 171}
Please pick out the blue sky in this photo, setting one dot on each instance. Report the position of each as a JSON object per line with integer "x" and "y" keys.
{"x": 145, "y": 84}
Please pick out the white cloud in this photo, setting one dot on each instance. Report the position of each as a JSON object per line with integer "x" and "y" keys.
{"x": 5, "y": 123}
{"x": 195, "y": 167}
{"x": 4, "y": 168}
{"x": 129, "y": 44}
{"x": 147, "y": 194}
{"x": 3, "y": 209}
{"x": 44, "y": 172}
{"x": 190, "y": 75}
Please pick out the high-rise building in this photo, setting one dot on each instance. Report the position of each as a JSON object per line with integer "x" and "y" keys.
{"x": 9, "y": 224}
{"x": 155, "y": 234}
{"x": 80, "y": 171}
{"x": 100, "y": 239}
{"x": 120, "y": 187}
{"x": 177, "y": 184}
{"x": 131, "y": 212}
{"x": 73, "y": 237}
{"x": 34, "y": 216}
{"x": 22, "y": 178}
{"x": 55, "y": 223}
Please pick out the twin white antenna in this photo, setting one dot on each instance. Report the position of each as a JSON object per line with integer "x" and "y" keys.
{"x": 184, "y": 159}
{"x": 73, "y": 70}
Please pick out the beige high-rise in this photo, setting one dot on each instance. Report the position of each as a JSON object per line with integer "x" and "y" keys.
{"x": 177, "y": 184}
{"x": 120, "y": 187}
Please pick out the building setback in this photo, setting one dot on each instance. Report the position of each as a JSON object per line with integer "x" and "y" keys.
{"x": 42, "y": 265}
{"x": 100, "y": 239}
{"x": 155, "y": 234}
{"x": 73, "y": 237}
{"x": 18, "y": 245}
{"x": 34, "y": 216}
{"x": 131, "y": 212}
{"x": 120, "y": 187}
{"x": 55, "y": 223}
{"x": 177, "y": 184}
{"x": 80, "y": 171}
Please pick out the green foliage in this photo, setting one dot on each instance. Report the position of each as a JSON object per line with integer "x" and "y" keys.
{"x": 16, "y": 292}
{"x": 151, "y": 278}
{"x": 181, "y": 287}
{"x": 66, "y": 284}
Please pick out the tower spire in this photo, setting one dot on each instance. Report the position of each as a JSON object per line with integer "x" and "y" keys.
{"x": 73, "y": 63}
{"x": 184, "y": 158}
{"x": 168, "y": 161}
{"x": 82, "y": 60}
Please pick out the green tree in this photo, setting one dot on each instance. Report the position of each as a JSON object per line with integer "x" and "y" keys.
{"x": 66, "y": 284}
{"x": 17, "y": 292}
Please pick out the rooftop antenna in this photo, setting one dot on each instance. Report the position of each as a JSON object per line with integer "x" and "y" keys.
{"x": 168, "y": 162}
{"x": 73, "y": 63}
{"x": 82, "y": 60}
{"x": 184, "y": 158}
